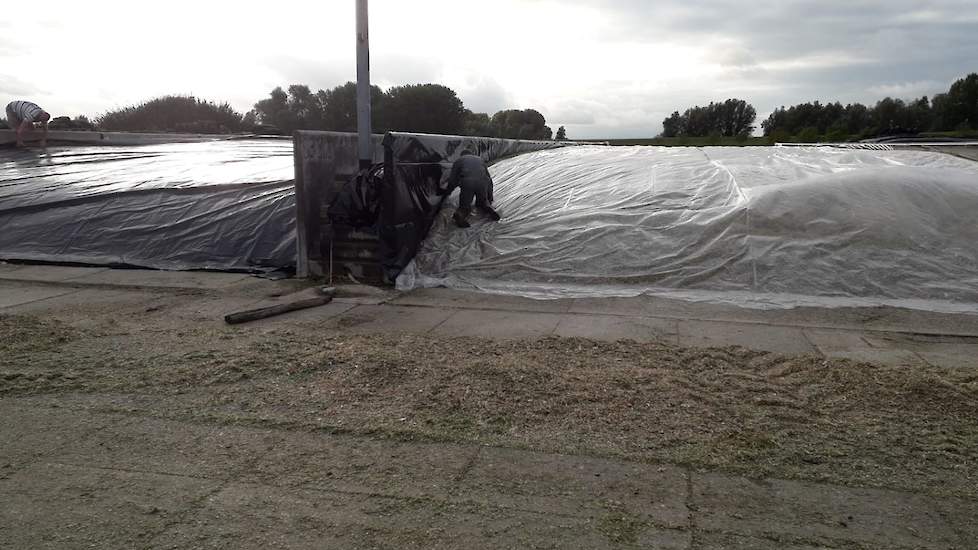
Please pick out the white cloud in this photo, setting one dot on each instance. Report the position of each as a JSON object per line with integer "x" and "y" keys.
{"x": 600, "y": 67}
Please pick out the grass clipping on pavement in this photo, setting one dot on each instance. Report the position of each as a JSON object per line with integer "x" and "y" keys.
{"x": 731, "y": 409}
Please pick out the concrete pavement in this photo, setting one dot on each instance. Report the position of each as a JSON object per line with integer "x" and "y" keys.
{"x": 116, "y": 480}
{"x": 882, "y": 335}
{"x": 113, "y": 471}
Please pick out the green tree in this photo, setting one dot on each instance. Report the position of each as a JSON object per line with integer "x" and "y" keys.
{"x": 173, "y": 114}
{"x": 940, "y": 113}
{"x": 962, "y": 104}
{"x": 521, "y": 124}
{"x": 340, "y": 108}
{"x": 809, "y": 135}
{"x": 673, "y": 125}
{"x": 561, "y": 134}
{"x": 425, "y": 108}
{"x": 477, "y": 124}
{"x": 857, "y": 118}
{"x": 274, "y": 111}
{"x": 778, "y": 135}
{"x": 732, "y": 117}
{"x": 836, "y": 134}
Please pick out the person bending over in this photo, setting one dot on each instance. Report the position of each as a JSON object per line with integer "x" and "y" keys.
{"x": 21, "y": 116}
{"x": 469, "y": 173}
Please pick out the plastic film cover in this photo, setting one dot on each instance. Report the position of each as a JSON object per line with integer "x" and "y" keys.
{"x": 214, "y": 205}
{"x": 760, "y": 227}
{"x": 408, "y": 199}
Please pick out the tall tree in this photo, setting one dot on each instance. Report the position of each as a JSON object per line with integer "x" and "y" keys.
{"x": 521, "y": 124}
{"x": 274, "y": 111}
{"x": 561, "y": 134}
{"x": 340, "y": 108}
{"x": 733, "y": 117}
{"x": 425, "y": 108}
{"x": 477, "y": 124}
{"x": 674, "y": 125}
{"x": 962, "y": 103}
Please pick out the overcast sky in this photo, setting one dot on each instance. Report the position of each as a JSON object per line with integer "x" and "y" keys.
{"x": 602, "y": 68}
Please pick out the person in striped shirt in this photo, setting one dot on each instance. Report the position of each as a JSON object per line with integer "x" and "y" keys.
{"x": 21, "y": 116}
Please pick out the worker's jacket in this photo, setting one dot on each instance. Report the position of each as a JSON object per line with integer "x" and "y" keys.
{"x": 470, "y": 173}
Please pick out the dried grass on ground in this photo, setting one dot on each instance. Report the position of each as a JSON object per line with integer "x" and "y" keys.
{"x": 731, "y": 409}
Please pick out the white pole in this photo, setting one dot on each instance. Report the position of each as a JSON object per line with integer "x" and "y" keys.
{"x": 363, "y": 86}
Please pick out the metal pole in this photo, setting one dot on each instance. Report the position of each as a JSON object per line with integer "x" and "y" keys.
{"x": 363, "y": 86}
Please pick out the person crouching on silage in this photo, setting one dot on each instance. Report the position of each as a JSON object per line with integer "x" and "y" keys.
{"x": 21, "y": 116}
{"x": 469, "y": 173}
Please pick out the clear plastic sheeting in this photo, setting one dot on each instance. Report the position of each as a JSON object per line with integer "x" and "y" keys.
{"x": 212, "y": 205}
{"x": 762, "y": 227}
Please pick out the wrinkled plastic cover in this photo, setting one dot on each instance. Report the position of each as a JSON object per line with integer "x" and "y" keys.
{"x": 422, "y": 163}
{"x": 213, "y": 205}
{"x": 764, "y": 227}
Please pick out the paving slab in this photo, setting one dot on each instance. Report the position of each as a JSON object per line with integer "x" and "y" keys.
{"x": 723, "y": 541}
{"x": 446, "y": 297}
{"x": 49, "y": 273}
{"x": 498, "y": 324}
{"x": 389, "y": 319}
{"x": 168, "y": 447}
{"x": 57, "y": 506}
{"x": 359, "y": 465}
{"x": 15, "y": 295}
{"x": 833, "y": 341}
{"x": 856, "y": 346}
{"x": 823, "y": 513}
{"x": 577, "y": 486}
{"x": 86, "y": 298}
{"x": 321, "y": 313}
{"x": 880, "y": 356}
{"x": 615, "y": 327}
{"x": 779, "y": 339}
{"x": 361, "y": 300}
{"x": 244, "y": 516}
{"x": 28, "y": 432}
{"x": 963, "y": 516}
{"x": 162, "y": 279}
{"x": 638, "y": 305}
{"x": 8, "y": 267}
{"x": 849, "y": 318}
{"x": 954, "y": 357}
{"x": 204, "y": 308}
{"x": 945, "y": 351}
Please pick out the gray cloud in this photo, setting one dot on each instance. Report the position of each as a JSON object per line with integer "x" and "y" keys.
{"x": 783, "y": 52}
{"x": 483, "y": 94}
{"x": 317, "y": 74}
{"x": 13, "y": 86}
{"x": 395, "y": 69}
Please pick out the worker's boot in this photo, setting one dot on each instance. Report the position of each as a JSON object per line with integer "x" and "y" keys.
{"x": 490, "y": 212}
{"x": 461, "y": 218}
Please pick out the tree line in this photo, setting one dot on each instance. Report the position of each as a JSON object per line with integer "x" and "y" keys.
{"x": 953, "y": 111}
{"x": 731, "y": 118}
{"x": 422, "y": 108}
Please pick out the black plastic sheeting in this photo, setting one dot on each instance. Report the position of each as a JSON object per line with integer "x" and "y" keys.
{"x": 227, "y": 205}
{"x": 415, "y": 166}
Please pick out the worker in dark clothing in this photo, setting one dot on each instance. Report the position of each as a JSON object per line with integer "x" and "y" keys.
{"x": 469, "y": 173}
